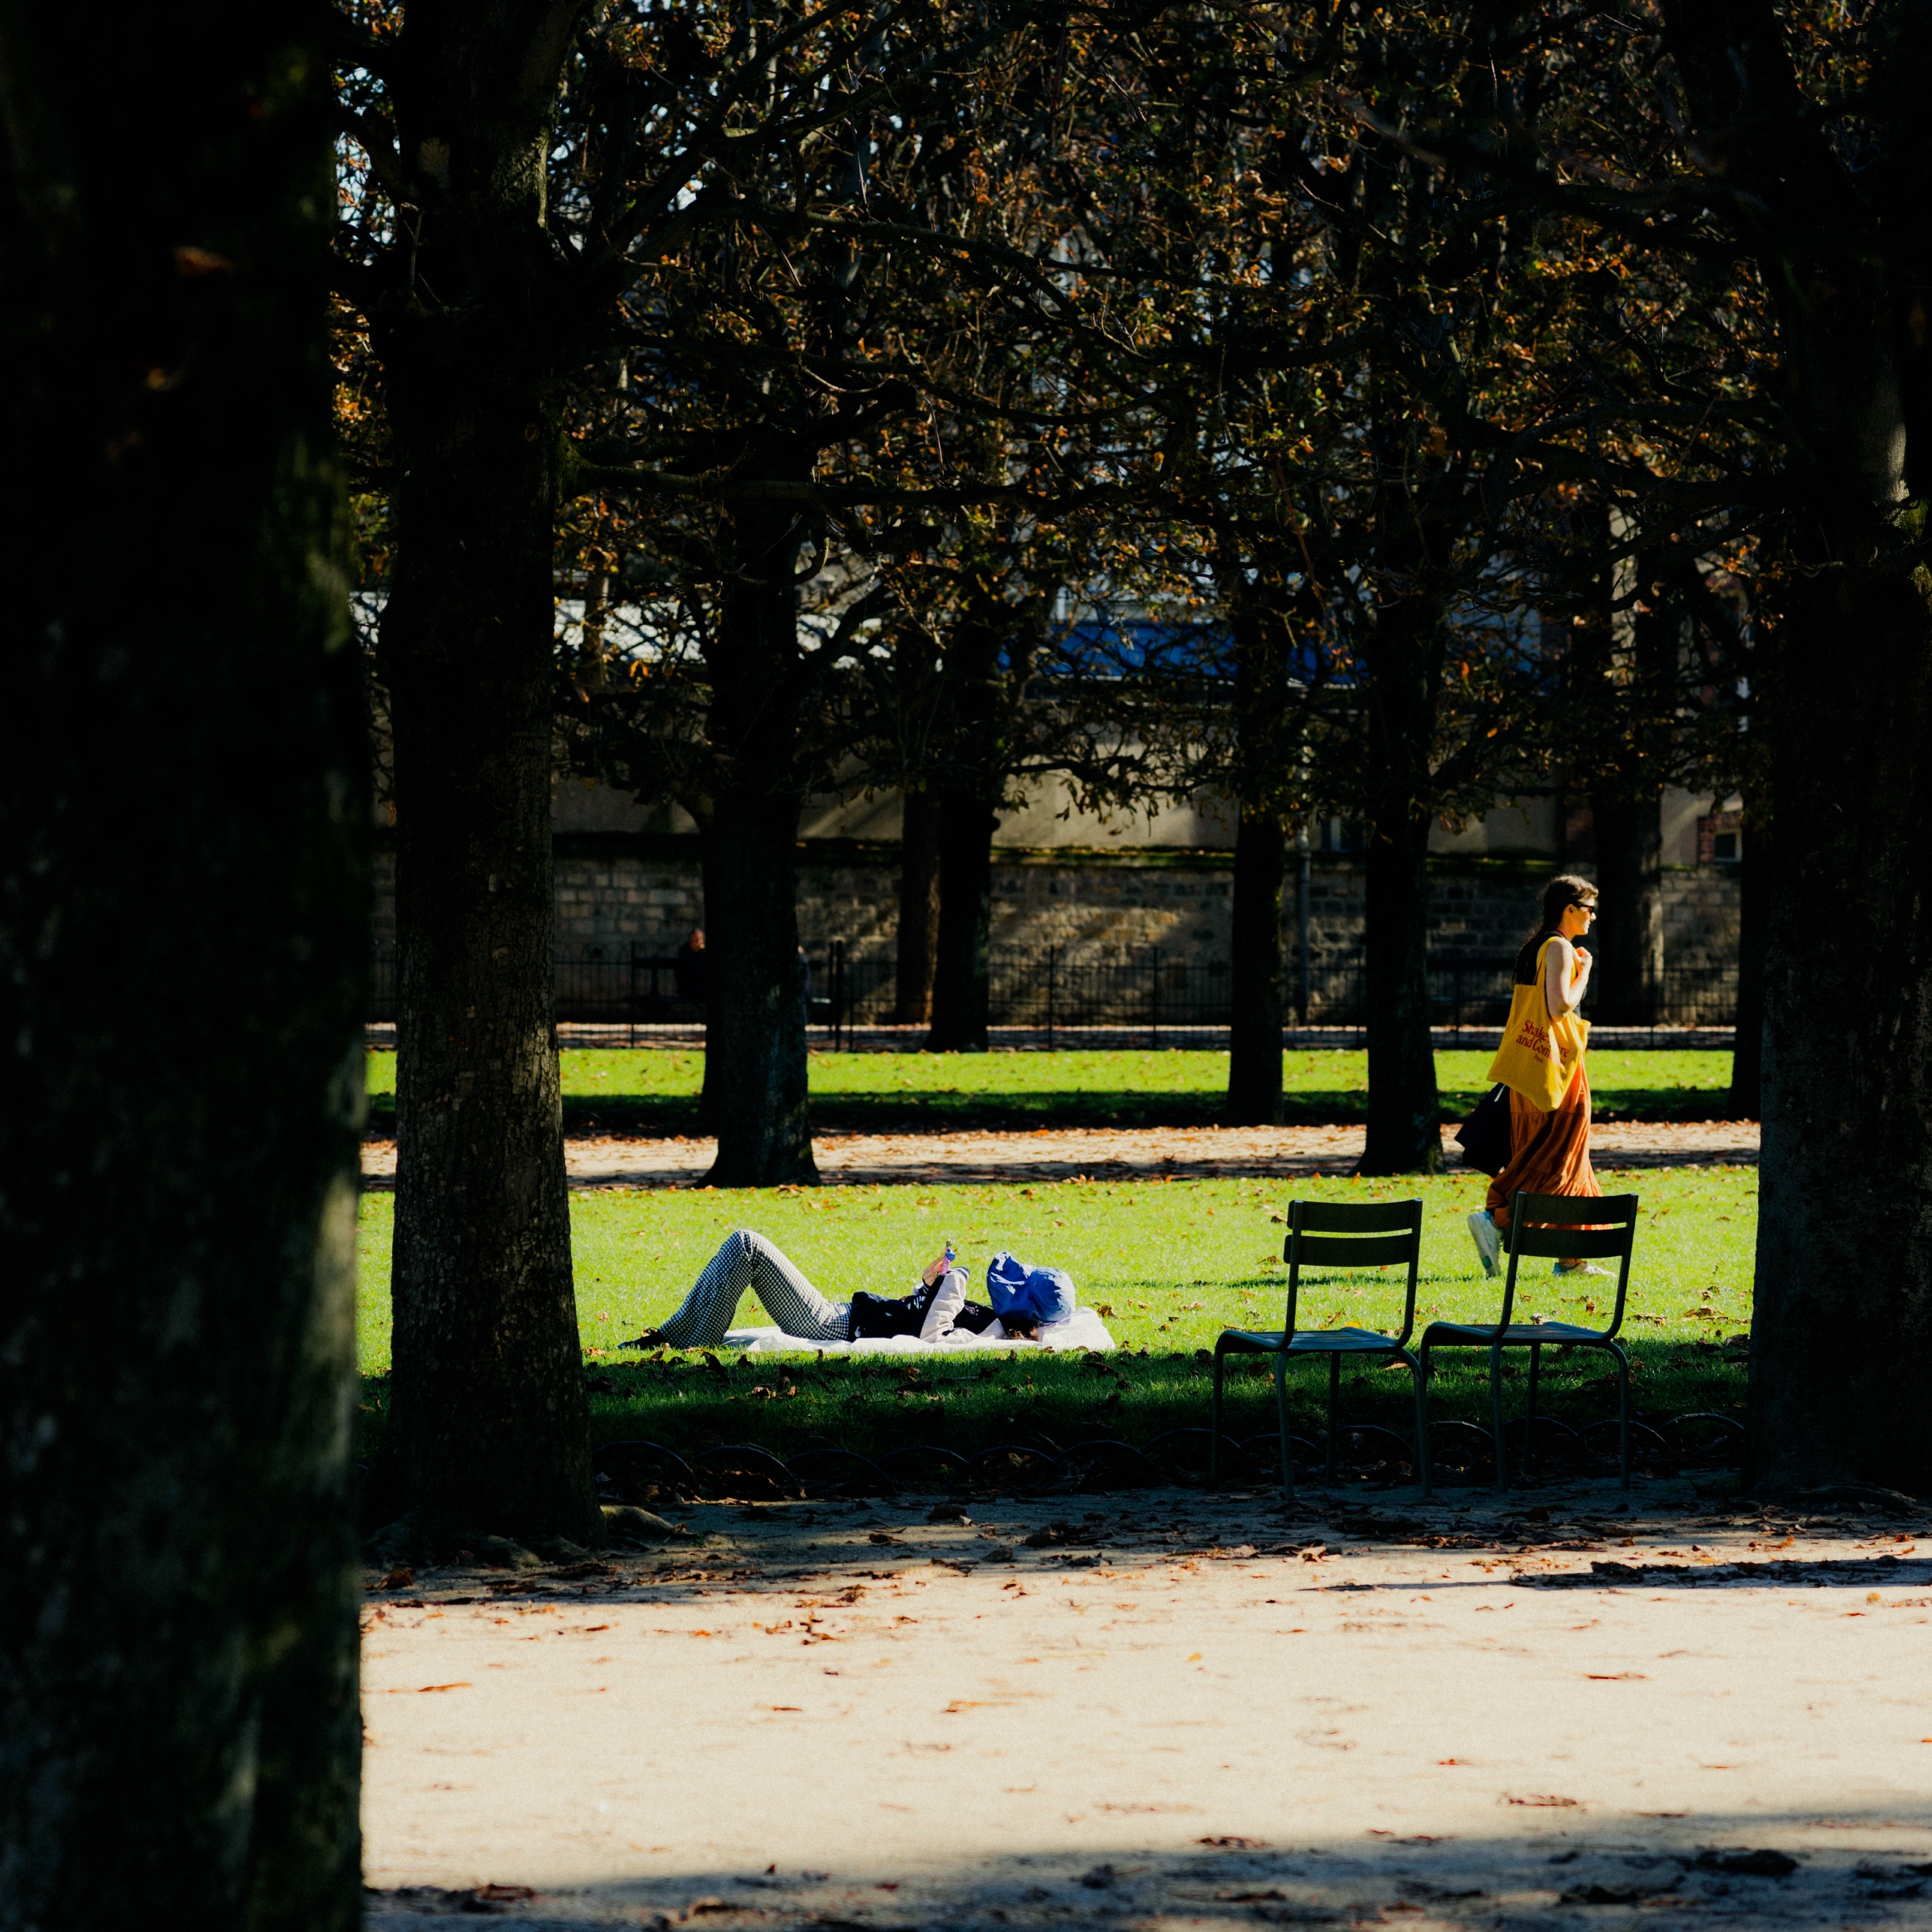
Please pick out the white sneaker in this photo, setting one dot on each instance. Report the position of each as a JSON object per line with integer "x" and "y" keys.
{"x": 1488, "y": 1239}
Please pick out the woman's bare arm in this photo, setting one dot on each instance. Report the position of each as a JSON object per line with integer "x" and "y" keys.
{"x": 1566, "y": 974}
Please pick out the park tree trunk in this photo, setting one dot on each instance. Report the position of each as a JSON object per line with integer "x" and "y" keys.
{"x": 1628, "y": 943}
{"x": 487, "y": 1427}
{"x": 1841, "y": 1335}
{"x": 971, "y": 783}
{"x": 918, "y": 908}
{"x": 1405, "y": 1135}
{"x": 709, "y": 887}
{"x": 1255, "y": 937}
{"x": 1405, "y": 661}
{"x": 183, "y": 936}
{"x": 1268, "y": 749}
{"x": 1753, "y": 932}
{"x": 755, "y": 1059}
{"x": 963, "y": 978}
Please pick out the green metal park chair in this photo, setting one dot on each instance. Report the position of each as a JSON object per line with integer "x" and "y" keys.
{"x": 1590, "y": 1227}
{"x": 1334, "y": 1235}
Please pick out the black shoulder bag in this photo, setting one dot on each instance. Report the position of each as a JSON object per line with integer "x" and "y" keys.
{"x": 1484, "y": 1136}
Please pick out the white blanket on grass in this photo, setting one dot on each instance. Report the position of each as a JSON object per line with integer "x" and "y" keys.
{"x": 1083, "y": 1330}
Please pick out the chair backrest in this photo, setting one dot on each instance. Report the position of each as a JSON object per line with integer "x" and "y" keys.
{"x": 1583, "y": 1227}
{"x": 1353, "y": 1234}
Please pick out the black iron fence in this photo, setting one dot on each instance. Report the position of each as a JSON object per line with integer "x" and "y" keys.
{"x": 1145, "y": 990}
{"x": 1474, "y": 995}
{"x": 612, "y": 986}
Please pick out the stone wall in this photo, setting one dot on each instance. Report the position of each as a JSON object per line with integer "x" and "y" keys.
{"x": 622, "y": 891}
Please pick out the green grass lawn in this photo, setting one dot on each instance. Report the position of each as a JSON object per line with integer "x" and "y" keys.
{"x": 1174, "y": 1262}
{"x": 648, "y": 1091}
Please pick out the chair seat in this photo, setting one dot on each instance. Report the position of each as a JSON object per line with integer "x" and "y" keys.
{"x": 1517, "y": 1334}
{"x": 1306, "y": 1342}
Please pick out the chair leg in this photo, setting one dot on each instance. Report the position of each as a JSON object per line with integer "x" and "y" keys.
{"x": 1421, "y": 1425}
{"x": 1281, "y": 1423}
{"x": 1214, "y": 1426}
{"x": 1496, "y": 1415}
{"x": 1529, "y": 1429}
{"x": 1334, "y": 1399}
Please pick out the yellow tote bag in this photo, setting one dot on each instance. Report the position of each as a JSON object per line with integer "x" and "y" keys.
{"x": 1539, "y": 1057}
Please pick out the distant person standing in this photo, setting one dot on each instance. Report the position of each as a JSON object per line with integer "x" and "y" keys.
{"x": 1541, "y": 1061}
{"x": 804, "y": 987}
{"x": 692, "y": 969}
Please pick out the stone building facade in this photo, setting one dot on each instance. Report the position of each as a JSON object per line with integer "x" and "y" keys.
{"x": 628, "y": 884}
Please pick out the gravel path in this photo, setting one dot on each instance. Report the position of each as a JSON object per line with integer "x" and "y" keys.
{"x": 1103, "y": 1152}
{"x": 1172, "y": 1710}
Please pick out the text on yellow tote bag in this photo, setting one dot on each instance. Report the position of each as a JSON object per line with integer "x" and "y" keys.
{"x": 1539, "y": 1056}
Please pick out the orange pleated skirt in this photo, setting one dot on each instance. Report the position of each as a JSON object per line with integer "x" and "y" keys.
{"x": 1549, "y": 1154}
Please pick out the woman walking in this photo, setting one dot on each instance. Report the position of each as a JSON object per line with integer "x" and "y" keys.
{"x": 1541, "y": 1061}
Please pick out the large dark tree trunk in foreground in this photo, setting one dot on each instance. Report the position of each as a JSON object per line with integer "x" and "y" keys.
{"x": 1841, "y": 1334}
{"x": 1628, "y": 942}
{"x": 918, "y": 908}
{"x": 756, "y": 1073}
{"x": 1255, "y": 935}
{"x": 487, "y": 1421}
{"x": 962, "y": 979}
{"x": 183, "y": 929}
{"x": 1405, "y": 1135}
{"x": 1753, "y": 932}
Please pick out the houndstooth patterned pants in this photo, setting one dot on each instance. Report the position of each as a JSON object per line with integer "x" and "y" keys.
{"x": 748, "y": 1260}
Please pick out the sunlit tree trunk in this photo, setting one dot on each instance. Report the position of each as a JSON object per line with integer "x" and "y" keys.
{"x": 1404, "y": 1133}
{"x": 756, "y": 1077}
{"x": 1254, "y": 947}
{"x": 962, "y": 975}
{"x": 918, "y": 908}
{"x": 1754, "y": 922}
{"x": 1628, "y": 942}
{"x": 488, "y": 1413}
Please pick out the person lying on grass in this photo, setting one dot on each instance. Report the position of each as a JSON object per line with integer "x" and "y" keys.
{"x": 937, "y": 1307}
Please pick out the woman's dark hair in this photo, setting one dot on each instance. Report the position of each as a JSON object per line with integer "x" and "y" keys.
{"x": 1563, "y": 891}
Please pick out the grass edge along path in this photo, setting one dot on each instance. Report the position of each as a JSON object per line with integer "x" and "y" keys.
{"x": 1171, "y": 1263}
{"x": 648, "y": 1091}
